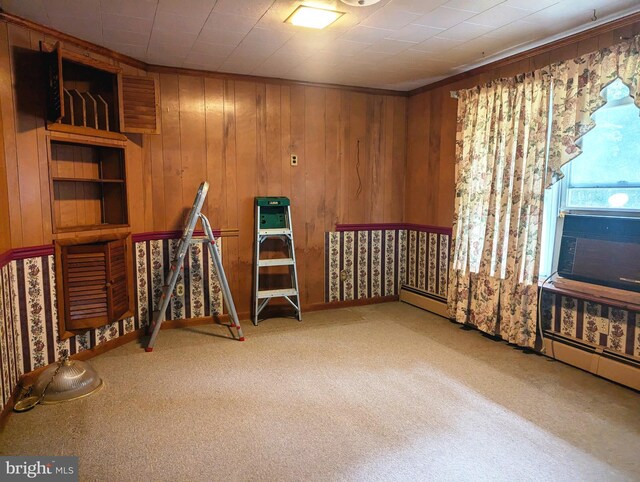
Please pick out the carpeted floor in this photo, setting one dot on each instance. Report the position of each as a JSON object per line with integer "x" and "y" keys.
{"x": 384, "y": 392}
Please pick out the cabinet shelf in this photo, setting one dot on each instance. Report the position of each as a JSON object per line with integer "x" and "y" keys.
{"x": 88, "y": 186}
{"x": 81, "y": 179}
{"x": 93, "y": 98}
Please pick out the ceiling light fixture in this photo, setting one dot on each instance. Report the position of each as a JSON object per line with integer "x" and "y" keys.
{"x": 312, "y": 17}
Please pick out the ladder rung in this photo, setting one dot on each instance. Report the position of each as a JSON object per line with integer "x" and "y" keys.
{"x": 277, "y": 293}
{"x": 274, "y": 232}
{"x": 276, "y": 262}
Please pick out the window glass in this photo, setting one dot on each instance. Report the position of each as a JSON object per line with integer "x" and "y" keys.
{"x": 607, "y": 173}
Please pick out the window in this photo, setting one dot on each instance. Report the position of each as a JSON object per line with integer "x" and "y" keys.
{"x": 605, "y": 178}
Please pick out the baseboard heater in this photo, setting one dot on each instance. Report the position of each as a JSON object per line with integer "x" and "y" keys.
{"x": 424, "y": 300}
{"x": 593, "y": 359}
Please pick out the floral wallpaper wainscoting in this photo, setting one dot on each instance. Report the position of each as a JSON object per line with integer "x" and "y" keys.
{"x": 370, "y": 261}
{"x": 597, "y": 324}
{"x": 28, "y": 307}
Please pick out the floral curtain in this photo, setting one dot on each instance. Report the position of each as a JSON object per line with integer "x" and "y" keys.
{"x": 576, "y": 96}
{"x": 500, "y": 170}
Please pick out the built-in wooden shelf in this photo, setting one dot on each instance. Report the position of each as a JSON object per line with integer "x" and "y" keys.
{"x": 88, "y": 185}
{"x": 80, "y": 179}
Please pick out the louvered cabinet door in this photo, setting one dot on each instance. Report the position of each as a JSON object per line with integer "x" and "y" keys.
{"x": 139, "y": 109}
{"x": 84, "y": 270}
{"x": 117, "y": 286}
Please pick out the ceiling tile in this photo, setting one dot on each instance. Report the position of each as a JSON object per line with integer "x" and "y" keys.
{"x": 164, "y": 58}
{"x": 417, "y": 6}
{"x": 130, "y": 24}
{"x": 125, "y": 37}
{"x": 444, "y": 17}
{"x": 25, "y": 9}
{"x": 516, "y": 32}
{"x": 169, "y": 49}
{"x": 499, "y": 16}
{"x": 210, "y": 66}
{"x": 302, "y": 45}
{"x": 168, "y": 21}
{"x": 254, "y": 8}
{"x": 415, "y": 33}
{"x": 216, "y": 49}
{"x": 529, "y": 5}
{"x": 227, "y": 21}
{"x": 269, "y": 36}
{"x": 390, "y": 46}
{"x": 253, "y": 50}
{"x": 475, "y": 5}
{"x": 192, "y": 8}
{"x": 366, "y": 34}
{"x": 86, "y": 28}
{"x": 389, "y": 17}
{"x": 465, "y": 31}
{"x": 369, "y": 57}
{"x": 437, "y": 44}
{"x": 485, "y": 46}
{"x": 206, "y": 58}
{"x": 136, "y": 51}
{"x": 224, "y": 37}
{"x": 345, "y": 47}
{"x": 127, "y": 8}
{"x": 73, "y": 8}
{"x": 179, "y": 40}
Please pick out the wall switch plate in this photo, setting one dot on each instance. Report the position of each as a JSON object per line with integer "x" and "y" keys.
{"x": 343, "y": 275}
{"x": 294, "y": 160}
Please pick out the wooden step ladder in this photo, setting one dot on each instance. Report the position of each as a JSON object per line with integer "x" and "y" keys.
{"x": 177, "y": 265}
{"x": 273, "y": 220}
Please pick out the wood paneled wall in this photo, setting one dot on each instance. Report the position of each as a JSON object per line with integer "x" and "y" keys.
{"x": 240, "y": 135}
{"x": 5, "y": 235}
{"x": 236, "y": 134}
{"x": 430, "y": 180}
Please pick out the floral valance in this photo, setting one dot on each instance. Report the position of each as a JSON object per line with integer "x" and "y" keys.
{"x": 577, "y": 87}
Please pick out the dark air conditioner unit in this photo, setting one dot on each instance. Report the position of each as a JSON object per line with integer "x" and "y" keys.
{"x": 600, "y": 250}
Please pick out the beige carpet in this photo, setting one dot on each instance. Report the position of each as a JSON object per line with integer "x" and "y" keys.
{"x": 386, "y": 392}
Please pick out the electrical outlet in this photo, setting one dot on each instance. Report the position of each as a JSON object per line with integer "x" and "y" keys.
{"x": 343, "y": 275}
{"x": 294, "y": 160}
{"x": 180, "y": 289}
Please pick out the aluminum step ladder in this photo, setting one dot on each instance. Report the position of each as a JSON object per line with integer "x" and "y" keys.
{"x": 273, "y": 220}
{"x": 177, "y": 265}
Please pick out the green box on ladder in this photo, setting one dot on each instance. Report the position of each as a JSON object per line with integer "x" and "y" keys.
{"x": 273, "y": 212}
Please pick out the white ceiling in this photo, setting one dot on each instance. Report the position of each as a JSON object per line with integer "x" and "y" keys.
{"x": 395, "y": 44}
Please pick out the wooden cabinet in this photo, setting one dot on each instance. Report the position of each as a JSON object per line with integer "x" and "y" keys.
{"x": 86, "y": 96}
{"x": 94, "y": 283}
{"x": 88, "y": 185}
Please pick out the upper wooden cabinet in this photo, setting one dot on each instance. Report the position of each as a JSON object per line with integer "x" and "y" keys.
{"x": 86, "y": 96}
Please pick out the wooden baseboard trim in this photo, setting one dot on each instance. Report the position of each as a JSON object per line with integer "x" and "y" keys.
{"x": 424, "y": 302}
{"x": 333, "y": 305}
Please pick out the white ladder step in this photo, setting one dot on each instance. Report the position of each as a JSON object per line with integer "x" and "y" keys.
{"x": 277, "y": 293}
{"x": 275, "y": 262}
{"x": 274, "y": 232}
